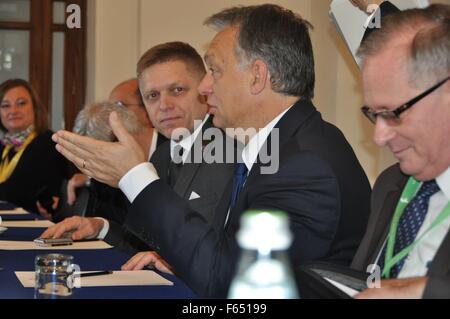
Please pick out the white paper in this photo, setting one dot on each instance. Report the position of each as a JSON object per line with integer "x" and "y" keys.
{"x": 117, "y": 278}
{"x": 350, "y": 20}
{"x": 17, "y": 211}
{"x": 349, "y": 291}
{"x": 28, "y": 223}
{"x": 30, "y": 245}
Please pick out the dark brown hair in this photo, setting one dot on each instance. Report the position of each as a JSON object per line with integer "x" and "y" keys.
{"x": 277, "y": 36}
{"x": 172, "y": 51}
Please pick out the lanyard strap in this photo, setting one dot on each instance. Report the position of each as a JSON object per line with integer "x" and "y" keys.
{"x": 409, "y": 192}
{"x": 7, "y": 167}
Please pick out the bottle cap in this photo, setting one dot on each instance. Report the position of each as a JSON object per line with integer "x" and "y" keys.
{"x": 264, "y": 231}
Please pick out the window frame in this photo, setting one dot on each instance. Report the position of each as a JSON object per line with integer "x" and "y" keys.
{"x": 41, "y": 28}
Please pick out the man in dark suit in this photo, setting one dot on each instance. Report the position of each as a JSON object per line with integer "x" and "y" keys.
{"x": 408, "y": 232}
{"x": 261, "y": 80}
{"x": 168, "y": 75}
{"x": 172, "y": 72}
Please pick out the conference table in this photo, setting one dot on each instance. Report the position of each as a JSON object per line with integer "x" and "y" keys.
{"x": 96, "y": 259}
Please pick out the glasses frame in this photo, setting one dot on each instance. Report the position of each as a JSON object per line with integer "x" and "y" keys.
{"x": 395, "y": 113}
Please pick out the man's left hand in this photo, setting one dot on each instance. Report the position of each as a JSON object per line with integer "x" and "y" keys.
{"x": 411, "y": 288}
{"x": 107, "y": 162}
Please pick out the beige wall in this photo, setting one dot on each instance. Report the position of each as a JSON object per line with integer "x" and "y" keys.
{"x": 119, "y": 31}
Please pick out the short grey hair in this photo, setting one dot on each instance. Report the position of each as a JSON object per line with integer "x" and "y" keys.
{"x": 93, "y": 121}
{"x": 277, "y": 36}
{"x": 428, "y": 31}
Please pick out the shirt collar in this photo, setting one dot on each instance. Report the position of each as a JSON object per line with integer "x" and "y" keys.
{"x": 443, "y": 182}
{"x": 251, "y": 150}
{"x": 187, "y": 142}
{"x": 153, "y": 143}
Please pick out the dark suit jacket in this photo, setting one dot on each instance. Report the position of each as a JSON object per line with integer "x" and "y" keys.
{"x": 320, "y": 183}
{"x": 207, "y": 180}
{"x": 41, "y": 169}
{"x": 386, "y": 193}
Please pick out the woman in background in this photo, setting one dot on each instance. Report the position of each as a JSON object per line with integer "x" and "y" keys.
{"x": 30, "y": 168}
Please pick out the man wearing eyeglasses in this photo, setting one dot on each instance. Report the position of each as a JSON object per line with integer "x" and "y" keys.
{"x": 405, "y": 76}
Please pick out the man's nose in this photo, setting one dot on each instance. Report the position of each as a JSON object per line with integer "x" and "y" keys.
{"x": 166, "y": 102}
{"x": 383, "y": 132}
{"x": 205, "y": 86}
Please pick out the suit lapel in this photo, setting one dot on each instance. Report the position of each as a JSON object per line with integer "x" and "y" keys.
{"x": 161, "y": 161}
{"x": 287, "y": 126}
{"x": 190, "y": 168}
{"x": 384, "y": 218}
{"x": 382, "y": 223}
{"x": 185, "y": 178}
{"x": 222, "y": 209}
{"x": 160, "y": 139}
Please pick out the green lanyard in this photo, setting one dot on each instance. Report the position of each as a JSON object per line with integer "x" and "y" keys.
{"x": 409, "y": 192}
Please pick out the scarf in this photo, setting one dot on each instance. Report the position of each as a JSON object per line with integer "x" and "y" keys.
{"x": 16, "y": 140}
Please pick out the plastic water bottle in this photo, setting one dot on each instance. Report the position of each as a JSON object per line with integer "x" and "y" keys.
{"x": 264, "y": 270}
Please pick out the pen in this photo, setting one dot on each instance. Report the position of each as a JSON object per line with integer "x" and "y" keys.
{"x": 97, "y": 273}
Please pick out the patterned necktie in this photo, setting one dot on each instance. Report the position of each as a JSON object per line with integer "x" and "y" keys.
{"x": 410, "y": 223}
{"x": 240, "y": 174}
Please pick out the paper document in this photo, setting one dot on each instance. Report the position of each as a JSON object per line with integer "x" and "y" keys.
{"x": 17, "y": 211}
{"x": 349, "y": 291}
{"x": 28, "y": 223}
{"x": 350, "y": 21}
{"x": 117, "y": 278}
{"x": 30, "y": 245}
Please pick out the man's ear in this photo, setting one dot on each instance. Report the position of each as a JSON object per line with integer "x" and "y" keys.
{"x": 259, "y": 76}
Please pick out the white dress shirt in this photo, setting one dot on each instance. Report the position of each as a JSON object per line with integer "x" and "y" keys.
{"x": 252, "y": 149}
{"x": 419, "y": 259}
{"x": 153, "y": 143}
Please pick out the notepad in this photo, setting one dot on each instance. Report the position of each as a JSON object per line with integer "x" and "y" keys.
{"x": 117, "y": 278}
{"x": 30, "y": 245}
{"x": 350, "y": 21}
{"x": 16, "y": 211}
{"x": 28, "y": 223}
{"x": 347, "y": 290}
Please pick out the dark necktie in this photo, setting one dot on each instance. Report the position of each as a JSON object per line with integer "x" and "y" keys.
{"x": 240, "y": 174}
{"x": 176, "y": 164}
{"x": 410, "y": 223}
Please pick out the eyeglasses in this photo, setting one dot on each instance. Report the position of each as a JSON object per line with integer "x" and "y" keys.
{"x": 394, "y": 115}
{"x": 122, "y": 104}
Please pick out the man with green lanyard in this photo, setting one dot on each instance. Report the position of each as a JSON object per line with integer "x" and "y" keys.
{"x": 406, "y": 84}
